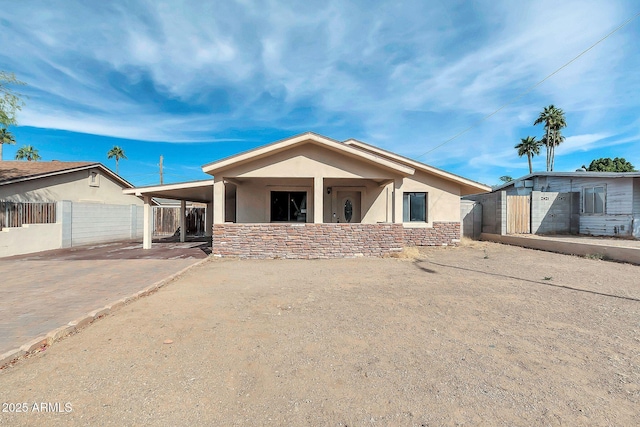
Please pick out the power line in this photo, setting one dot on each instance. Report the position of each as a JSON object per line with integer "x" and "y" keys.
{"x": 531, "y": 88}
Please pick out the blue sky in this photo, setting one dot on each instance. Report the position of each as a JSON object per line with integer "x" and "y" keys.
{"x": 198, "y": 81}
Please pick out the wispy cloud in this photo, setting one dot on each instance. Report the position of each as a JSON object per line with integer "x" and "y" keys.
{"x": 406, "y": 76}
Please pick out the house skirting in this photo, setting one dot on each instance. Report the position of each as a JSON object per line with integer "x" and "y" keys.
{"x": 325, "y": 240}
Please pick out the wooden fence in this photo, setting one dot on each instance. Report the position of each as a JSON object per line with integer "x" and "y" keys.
{"x": 15, "y": 214}
{"x": 518, "y": 214}
{"x": 166, "y": 221}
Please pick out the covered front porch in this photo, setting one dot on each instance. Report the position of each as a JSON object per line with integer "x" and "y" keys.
{"x": 318, "y": 200}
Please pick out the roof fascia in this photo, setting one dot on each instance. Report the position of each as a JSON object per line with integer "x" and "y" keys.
{"x": 141, "y": 191}
{"x": 418, "y": 165}
{"x": 282, "y": 145}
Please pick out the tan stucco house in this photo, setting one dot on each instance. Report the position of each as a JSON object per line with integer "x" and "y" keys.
{"x": 310, "y": 196}
{"x": 84, "y": 202}
{"x": 54, "y": 181}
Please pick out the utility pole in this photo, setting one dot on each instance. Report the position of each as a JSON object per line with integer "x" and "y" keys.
{"x": 161, "y": 180}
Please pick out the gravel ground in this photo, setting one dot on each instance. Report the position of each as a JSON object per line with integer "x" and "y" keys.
{"x": 483, "y": 334}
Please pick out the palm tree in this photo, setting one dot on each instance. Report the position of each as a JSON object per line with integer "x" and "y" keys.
{"x": 554, "y": 120}
{"x": 118, "y": 153}
{"x": 530, "y": 147}
{"x": 27, "y": 153}
{"x": 6, "y": 137}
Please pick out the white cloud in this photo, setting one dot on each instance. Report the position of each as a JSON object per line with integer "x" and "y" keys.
{"x": 406, "y": 76}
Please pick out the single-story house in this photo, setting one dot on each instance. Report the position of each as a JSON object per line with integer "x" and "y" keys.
{"x": 310, "y": 196}
{"x": 49, "y": 205}
{"x": 591, "y": 203}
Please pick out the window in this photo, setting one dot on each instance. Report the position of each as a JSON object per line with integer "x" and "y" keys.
{"x": 593, "y": 200}
{"x": 94, "y": 179}
{"x": 414, "y": 207}
{"x": 289, "y": 206}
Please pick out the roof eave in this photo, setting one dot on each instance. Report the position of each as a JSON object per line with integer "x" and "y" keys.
{"x": 421, "y": 166}
{"x": 282, "y": 145}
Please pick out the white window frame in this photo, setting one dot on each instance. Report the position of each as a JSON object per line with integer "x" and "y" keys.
{"x": 593, "y": 201}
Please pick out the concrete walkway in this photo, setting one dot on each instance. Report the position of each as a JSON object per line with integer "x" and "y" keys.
{"x": 621, "y": 250}
{"x": 43, "y": 291}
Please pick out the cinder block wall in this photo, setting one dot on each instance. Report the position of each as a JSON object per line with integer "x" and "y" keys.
{"x": 96, "y": 222}
{"x": 471, "y": 218}
{"x": 551, "y": 212}
{"x": 308, "y": 241}
{"x": 494, "y": 211}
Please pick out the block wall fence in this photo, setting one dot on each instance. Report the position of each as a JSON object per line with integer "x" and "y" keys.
{"x": 307, "y": 241}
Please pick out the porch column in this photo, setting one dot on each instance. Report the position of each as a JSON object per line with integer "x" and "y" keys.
{"x": 389, "y": 200}
{"x": 218, "y": 201}
{"x": 208, "y": 220}
{"x": 183, "y": 222}
{"x": 148, "y": 223}
{"x": 318, "y": 199}
{"x": 397, "y": 201}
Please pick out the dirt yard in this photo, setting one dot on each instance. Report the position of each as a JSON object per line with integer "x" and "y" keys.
{"x": 477, "y": 335}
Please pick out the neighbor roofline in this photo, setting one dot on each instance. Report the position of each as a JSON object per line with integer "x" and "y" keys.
{"x": 283, "y": 144}
{"x": 73, "y": 169}
{"x": 581, "y": 174}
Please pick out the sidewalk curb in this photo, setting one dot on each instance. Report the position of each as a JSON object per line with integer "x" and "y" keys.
{"x": 43, "y": 342}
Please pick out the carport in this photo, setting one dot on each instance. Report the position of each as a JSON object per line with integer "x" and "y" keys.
{"x": 193, "y": 191}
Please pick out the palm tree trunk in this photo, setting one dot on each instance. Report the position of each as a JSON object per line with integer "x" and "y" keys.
{"x": 548, "y": 136}
{"x": 553, "y": 151}
{"x": 529, "y": 157}
{"x": 1, "y": 145}
{"x": 117, "y": 173}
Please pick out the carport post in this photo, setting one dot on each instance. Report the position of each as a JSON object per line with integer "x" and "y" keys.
{"x": 208, "y": 220}
{"x": 148, "y": 223}
{"x": 183, "y": 222}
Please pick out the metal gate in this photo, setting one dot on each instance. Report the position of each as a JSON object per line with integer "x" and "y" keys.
{"x": 518, "y": 214}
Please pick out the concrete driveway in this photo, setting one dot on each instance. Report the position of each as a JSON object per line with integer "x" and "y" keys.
{"x": 43, "y": 291}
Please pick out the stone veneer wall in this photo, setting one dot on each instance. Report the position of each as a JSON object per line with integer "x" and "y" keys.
{"x": 325, "y": 240}
{"x": 442, "y": 234}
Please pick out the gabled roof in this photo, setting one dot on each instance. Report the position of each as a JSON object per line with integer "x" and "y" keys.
{"x": 472, "y": 186}
{"x": 309, "y": 137}
{"x": 19, "y": 171}
{"x": 577, "y": 174}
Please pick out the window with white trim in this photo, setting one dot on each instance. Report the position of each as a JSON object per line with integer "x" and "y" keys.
{"x": 593, "y": 200}
{"x": 414, "y": 207}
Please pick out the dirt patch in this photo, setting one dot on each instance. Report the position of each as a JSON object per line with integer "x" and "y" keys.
{"x": 491, "y": 335}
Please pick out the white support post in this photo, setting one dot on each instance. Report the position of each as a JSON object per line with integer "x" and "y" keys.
{"x": 183, "y": 221}
{"x": 318, "y": 199}
{"x": 148, "y": 223}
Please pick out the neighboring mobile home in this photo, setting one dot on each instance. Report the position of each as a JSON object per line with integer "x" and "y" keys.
{"x": 605, "y": 203}
{"x": 310, "y": 196}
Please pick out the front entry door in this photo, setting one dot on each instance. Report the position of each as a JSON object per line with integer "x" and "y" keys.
{"x": 347, "y": 208}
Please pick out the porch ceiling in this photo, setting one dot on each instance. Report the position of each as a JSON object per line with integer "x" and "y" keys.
{"x": 194, "y": 191}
